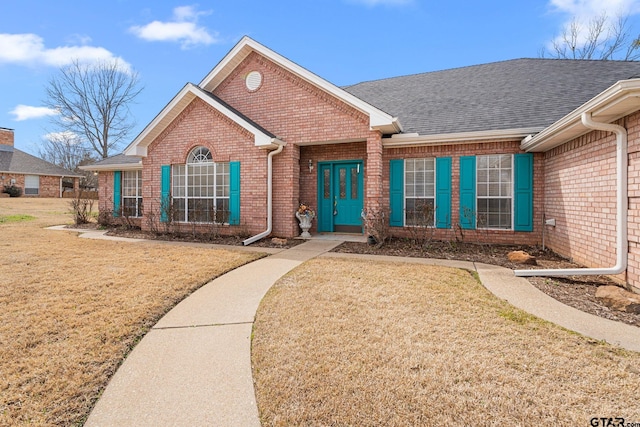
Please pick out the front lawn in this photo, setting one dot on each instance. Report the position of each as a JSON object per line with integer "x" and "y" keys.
{"x": 73, "y": 308}
{"x": 348, "y": 342}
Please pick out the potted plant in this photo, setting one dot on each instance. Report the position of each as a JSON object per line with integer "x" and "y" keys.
{"x": 305, "y": 214}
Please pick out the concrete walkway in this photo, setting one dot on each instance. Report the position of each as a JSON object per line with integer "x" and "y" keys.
{"x": 194, "y": 367}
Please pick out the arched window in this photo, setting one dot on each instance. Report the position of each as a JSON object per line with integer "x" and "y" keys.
{"x": 201, "y": 189}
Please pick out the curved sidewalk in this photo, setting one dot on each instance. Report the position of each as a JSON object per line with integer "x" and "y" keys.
{"x": 194, "y": 367}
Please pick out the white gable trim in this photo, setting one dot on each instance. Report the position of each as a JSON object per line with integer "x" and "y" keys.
{"x": 169, "y": 113}
{"x": 619, "y": 100}
{"x": 378, "y": 119}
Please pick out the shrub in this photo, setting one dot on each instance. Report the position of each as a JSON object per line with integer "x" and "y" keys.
{"x": 81, "y": 209}
{"x": 12, "y": 190}
{"x": 376, "y": 225}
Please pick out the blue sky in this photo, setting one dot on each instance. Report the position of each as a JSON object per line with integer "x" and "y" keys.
{"x": 170, "y": 43}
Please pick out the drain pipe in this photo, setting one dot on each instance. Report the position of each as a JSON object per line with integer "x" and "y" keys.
{"x": 622, "y": 246}
{"x": 265, "y": 233}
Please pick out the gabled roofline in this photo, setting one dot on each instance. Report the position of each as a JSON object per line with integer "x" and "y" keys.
{"x": 619, "y": 100}
{"x": 413, "y": 140}
{"x": 188, "y": 93}
{"x": 378, "y": 119}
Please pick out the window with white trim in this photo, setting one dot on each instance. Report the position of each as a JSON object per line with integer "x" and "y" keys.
{"x": 200, "y": 189}
{"x": 419, "y": 191}
{"x": 494, "y": 184}
{"x": 132, "y": 193}
{"x": 31, "y": 185}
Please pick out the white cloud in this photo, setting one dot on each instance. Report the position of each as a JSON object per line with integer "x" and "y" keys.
{"x": 182, "y": 28}
{"x": 26, "y": 112}
{"x": 65, "y": 136}
{"x": 29, "y": 49}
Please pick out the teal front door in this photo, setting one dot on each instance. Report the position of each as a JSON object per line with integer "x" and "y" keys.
{"x": 340, "y": 196}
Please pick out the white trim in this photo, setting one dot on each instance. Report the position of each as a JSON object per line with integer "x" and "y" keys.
{"x": 414, "y": 139}
{"x": 619, "y": 100}
{"x": 112, "y": 167}
{"x": 179, "y": 102}
{"x": 378, "y": 119}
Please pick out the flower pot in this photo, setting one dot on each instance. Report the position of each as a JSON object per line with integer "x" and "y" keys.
{"x": 305, "y": 224}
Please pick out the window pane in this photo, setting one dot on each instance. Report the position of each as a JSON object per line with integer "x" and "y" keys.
{"x": 326, "y": 180}
{"x": 420, "y": 212}
{"x": 354, "y": 183}
{"x": 343, "y": 183}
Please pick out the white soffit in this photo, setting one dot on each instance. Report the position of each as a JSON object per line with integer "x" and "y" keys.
{"x": 619, "y": 100}
{"x": 378, "y": 119}
{"x": 414, "y": 139}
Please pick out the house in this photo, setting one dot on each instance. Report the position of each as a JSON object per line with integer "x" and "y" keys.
{"x": 509, "y": 152}
{"x": 36, "y": 177}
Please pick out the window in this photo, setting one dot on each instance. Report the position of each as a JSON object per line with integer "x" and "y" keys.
{"x": 495, "y": 191}
{"x": 420, "y": 192}
{"x": 32, "y": 185}
{"x": 200, "y": 189}
{"x": 132, "y": 193}
{"x": 419, "y": 182}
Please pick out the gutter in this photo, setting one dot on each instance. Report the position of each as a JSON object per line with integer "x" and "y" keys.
{"x": 622, "y": 246}
{"x": 265, "y": 233}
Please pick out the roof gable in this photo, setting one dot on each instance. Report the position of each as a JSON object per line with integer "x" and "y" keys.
{"x": 170, "y": 112}
{"x": 378, "y": 119}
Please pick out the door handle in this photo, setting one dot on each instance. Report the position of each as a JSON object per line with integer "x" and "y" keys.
{"x": 335, "y": 206}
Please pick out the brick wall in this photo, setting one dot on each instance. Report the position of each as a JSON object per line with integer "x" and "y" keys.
{"x": 49, "y": 185}
{"x": 580, "y": 178}
{"x": 471, "y": 149}
{"x": 6, "y": 137}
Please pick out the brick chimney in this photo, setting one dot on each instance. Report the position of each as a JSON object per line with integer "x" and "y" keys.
{"x": 6, "y": 137}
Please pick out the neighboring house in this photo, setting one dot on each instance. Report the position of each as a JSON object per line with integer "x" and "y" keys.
{"x": 484, "y": 153}
{"x": 36, "y": 177}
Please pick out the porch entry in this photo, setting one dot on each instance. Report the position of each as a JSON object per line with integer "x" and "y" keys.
{"x": 340, "y": 196}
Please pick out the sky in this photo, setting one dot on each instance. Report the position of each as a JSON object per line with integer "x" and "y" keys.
{"x": 169, "y": 43}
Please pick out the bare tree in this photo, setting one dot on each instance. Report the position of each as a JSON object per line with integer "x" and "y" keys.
{"x": 64, "y": 149}
{"x": 602, "y": 39}
{"x": 93, "y": 101}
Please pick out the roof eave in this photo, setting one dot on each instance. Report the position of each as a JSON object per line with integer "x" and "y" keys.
{"x": 186, "y": 95}
{"x": 112, "y": 167}
{"x": 619, "y": 100}
{"x": 412, "y": 140}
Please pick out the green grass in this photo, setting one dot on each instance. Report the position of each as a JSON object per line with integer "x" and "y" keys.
{"x": 16, "y": 218}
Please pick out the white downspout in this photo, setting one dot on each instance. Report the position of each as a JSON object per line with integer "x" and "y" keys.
{"x": 622, "y": 246}
{"x": 265, "y": 233}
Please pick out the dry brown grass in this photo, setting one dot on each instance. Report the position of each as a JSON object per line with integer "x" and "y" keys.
{"x": 72, "y": 308}
{"x": 398, "y": 345}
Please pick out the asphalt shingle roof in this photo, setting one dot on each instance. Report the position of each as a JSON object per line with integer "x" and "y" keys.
{"x": 519, "y": 93}
{"x": 16, "y": 161}
{"x": 118, "y": 159}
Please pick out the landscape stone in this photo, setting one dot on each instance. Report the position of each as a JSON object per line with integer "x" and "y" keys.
{"x": 619, "y": 299}
{"x": 521, "y": 257}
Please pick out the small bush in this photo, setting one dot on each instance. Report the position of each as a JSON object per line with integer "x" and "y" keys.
{"x": 81, "y": 209}
{"x": 376, "y": 225}
{"x": 12, "y": 190}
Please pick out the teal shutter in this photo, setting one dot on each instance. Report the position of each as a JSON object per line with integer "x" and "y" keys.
{"x": 117, "y": 192}
{"x": 165, "y": 192}
{"x": 523, "y": 192}
{"x": 396, "y": 192}
{"x": 468, "y": 192}
{"x": 443, "y": 192}
{"x": 234, "y": 193}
